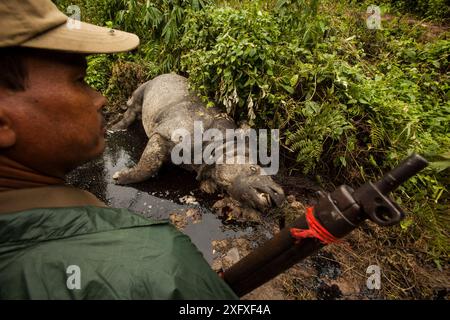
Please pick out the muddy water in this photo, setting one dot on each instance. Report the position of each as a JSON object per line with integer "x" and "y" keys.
{"x": 156, "y": 198}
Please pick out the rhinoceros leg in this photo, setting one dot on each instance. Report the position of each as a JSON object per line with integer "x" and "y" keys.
{"x": 134, "y": 106}
{"x": 153, "y": 157}
{"x": 128, "y": 117}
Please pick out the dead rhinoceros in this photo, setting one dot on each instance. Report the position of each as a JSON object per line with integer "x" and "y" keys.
{"x": 167, "y": 105}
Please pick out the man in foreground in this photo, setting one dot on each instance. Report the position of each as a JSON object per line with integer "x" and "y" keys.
{"x": 58, "y": 242}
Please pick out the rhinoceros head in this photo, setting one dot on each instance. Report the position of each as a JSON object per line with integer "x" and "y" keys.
{"x": 245, "y": 183}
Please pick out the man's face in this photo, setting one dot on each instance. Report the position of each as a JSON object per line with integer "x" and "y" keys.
{"x": 57, "y": 119}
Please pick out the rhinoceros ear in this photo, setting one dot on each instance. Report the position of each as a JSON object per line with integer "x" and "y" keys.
{"x": 204, "y": 172}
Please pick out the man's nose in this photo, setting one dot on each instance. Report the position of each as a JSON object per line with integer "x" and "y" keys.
{"x": 100, "y": 101}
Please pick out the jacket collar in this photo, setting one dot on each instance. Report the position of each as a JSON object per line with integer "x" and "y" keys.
{"x": 46, "y": 197}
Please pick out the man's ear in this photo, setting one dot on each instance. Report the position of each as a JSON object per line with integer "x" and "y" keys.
{"x": 7, "y": 134}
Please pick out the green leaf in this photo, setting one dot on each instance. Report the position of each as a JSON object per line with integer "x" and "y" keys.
{"x": 406, "y": 223}
{"x": 288, "y": 89}
{"x": 440, "y": 166}
{"x": 293, "y": 81}
{"x": 343, "y": 161}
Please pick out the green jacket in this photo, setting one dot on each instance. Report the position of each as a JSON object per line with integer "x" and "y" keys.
{"x": 90, "y": 252}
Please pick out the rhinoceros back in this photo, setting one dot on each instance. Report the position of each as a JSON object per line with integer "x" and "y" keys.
{"x": 160, "y": 93}
{"x": 169, "y": 105}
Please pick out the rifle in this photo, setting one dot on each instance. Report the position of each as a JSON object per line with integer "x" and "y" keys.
{"x": 336, "y": 214}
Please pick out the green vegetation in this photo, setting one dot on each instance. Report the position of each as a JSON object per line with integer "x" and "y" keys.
{"x": 351, "y": 102}
{"x": 438, "y": 10}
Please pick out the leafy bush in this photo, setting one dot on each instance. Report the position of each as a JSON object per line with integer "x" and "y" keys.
{"x": 431, "y": 9}
{"x": 239, "y": 58}
{"x": 98, "y": 12}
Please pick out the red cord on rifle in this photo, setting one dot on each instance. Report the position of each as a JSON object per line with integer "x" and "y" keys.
{"x": 316, "y": 230}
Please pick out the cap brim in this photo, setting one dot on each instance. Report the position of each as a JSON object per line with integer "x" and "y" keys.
{"x": 84, "y": 38}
